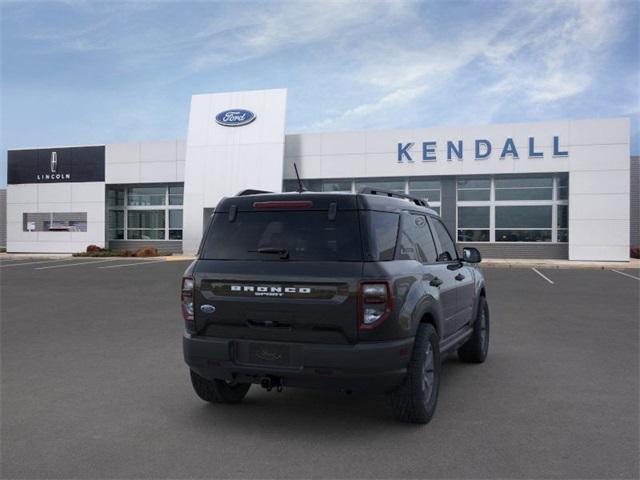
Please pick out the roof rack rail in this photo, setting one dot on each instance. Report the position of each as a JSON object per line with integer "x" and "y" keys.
{"x": 376, "y": 191}
{"x": 250, "y": 191}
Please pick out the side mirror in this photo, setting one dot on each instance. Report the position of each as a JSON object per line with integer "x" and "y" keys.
{"x": 471, "y": 255}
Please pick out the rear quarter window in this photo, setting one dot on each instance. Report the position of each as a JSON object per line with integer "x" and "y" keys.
{"x": 383, "y": 233}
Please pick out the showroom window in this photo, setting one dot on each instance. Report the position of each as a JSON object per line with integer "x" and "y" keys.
{"x": 524, "y": 188}
{"x": 562, "y": 223}
{"x": 427, "y": 189}
{"x": 176, "y": 194}
{"x": 474, "y": 189}
{"x": 508, "y": 208}
{"x": 562, "y": 187}
{"x": 389, "y": 184}
{"x": 526, "y": 223}
{"x": 145, "y": 224}
{"x": 474, "y": 224}
{"x": 424, "y": 188}
{"x": 146, "y": 196}
{"x": 54, "y": 222}
{"x": 319, "y": 185}
{"x": 149, "y": 212}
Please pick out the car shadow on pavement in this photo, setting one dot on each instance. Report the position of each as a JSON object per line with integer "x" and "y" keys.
{"x": 307, "y": 411}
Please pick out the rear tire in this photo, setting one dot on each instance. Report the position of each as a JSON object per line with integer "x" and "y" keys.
{"x": 476, "y": 348}
{"x": 218, "y": 391}
{"x": 415, "y": 400}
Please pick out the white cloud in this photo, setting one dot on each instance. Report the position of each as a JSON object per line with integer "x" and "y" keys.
{"x": 285, "y": 25}
{"x": 540, "y": 52}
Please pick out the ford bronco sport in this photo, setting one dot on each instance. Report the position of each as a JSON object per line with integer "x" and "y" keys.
{"x": 355, "y": 292}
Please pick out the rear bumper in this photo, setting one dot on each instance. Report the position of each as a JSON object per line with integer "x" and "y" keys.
{"x": 370, "y": 366}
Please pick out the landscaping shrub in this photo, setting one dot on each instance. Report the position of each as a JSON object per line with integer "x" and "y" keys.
{"x": 635, "y": 251}
{"x": 146, "y": 252}
{"x": 95, "y": 251}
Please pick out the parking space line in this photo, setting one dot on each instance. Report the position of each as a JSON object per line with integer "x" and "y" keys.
{"x": 141, "y": 262}
{"x": 20, "y": 263}
{"x": 625, "y": 274}
{"x": 543, "y": 276}
{"x": 75, "y": 264}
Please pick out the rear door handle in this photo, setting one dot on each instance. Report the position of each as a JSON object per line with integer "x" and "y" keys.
{"x": 435, "y": 282}
{"x": 459, "y": 277}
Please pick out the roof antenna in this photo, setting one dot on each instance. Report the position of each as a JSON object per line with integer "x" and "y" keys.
{"x": 300, "y": 184}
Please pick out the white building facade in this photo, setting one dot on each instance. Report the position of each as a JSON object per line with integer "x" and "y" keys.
{"x": 526, "y": 190}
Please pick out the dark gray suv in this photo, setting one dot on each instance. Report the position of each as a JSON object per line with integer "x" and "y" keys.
{"x": 355, "y": 292}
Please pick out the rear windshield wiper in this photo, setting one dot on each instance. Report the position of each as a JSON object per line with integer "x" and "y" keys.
{"x": 283, "y": 252}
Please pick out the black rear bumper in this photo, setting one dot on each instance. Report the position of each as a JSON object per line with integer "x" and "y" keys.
{"x": 370, "y": 366}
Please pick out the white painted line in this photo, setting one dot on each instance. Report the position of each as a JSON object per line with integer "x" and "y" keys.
{"x": 625, "y": 274}
{"x": 34, "y": 263}
{"x": 141, "y": 262}
{"x": 546, "y": 278}
{"x": 74, "y": 264}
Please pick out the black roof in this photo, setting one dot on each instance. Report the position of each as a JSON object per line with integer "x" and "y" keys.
{"x": 322, "y": 201}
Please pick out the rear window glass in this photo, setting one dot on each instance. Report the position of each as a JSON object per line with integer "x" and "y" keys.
{"x": 305, "y": 235}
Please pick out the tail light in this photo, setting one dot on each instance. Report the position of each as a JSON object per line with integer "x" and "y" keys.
{"x": 186, "y": 300}
{"x": 374, "y": 304}
{"x": 284, "y": 204}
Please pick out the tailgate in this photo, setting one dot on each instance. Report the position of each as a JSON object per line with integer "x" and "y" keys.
{"x": 282, "y": 301}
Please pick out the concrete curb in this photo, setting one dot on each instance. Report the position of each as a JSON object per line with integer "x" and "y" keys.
{"x": 633, "y": 264}
{"x": 179, "y": 258}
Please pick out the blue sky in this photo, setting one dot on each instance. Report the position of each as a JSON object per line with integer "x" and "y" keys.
{"x": 85, "y": 72}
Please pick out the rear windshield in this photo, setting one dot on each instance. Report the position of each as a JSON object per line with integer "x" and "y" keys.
{"x": 303, "y": 235}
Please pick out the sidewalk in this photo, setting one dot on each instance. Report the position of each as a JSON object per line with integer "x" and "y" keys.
{"x": 633, "y": 263}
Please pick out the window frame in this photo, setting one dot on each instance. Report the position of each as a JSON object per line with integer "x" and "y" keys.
{"x": 409, "y": 216}
{"x": 436, "y": 239}
{"x": 317, "y": 184}
{"x": 492, "y": 203}
{"x": 125, "y": 208}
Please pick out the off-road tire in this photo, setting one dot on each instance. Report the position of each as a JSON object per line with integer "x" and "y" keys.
{"x": 414, "y": 401}
{"x": 218, "y": 391}
{"x": 476, "y": 348}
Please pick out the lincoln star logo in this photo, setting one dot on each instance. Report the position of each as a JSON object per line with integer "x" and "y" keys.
{"x": 235, "y": 118}
{"x": 54, "y": 174}
{"x": 268, "y": 291}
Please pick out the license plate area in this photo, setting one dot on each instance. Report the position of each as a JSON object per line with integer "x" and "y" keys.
{"x": 267, "y": 354}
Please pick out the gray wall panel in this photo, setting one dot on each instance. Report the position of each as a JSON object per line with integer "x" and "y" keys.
{"x": 448, "y": 204}
{"x": 3, "y": 218}
{"x": 163, "y": 246}
{"x": 556, "y": 251}
{"x": 635, "y": 201}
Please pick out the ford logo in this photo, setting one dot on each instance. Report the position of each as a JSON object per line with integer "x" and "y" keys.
{"x": 207, "y": 308}
{"x": 235, "y": 118}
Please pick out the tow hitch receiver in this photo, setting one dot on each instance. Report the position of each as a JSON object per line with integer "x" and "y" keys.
{"x": 268, "y": 382}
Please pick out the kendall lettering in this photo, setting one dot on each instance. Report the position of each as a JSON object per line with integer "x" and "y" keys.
{"x": 451, "y": 148}
{"x": 428, "y": 151}
{"x": 403, "y": 151}
{"x": 480, "y": 146}
{"x": 482, "y": 150}
{"x": 509, "y": 149}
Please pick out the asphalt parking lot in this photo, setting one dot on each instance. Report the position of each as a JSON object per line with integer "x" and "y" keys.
{"x": 94, "y": 386}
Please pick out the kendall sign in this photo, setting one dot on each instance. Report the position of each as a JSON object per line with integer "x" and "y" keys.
{"x": 482, "y": 150}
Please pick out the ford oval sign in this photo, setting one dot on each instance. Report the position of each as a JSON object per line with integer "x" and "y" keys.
{"x": 235, "y": 118}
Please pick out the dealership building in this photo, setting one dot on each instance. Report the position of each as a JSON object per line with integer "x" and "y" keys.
{"x": 559, "y": 190}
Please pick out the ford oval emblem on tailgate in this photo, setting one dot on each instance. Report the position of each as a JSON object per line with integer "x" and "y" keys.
{"x": 207, "y": 308}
